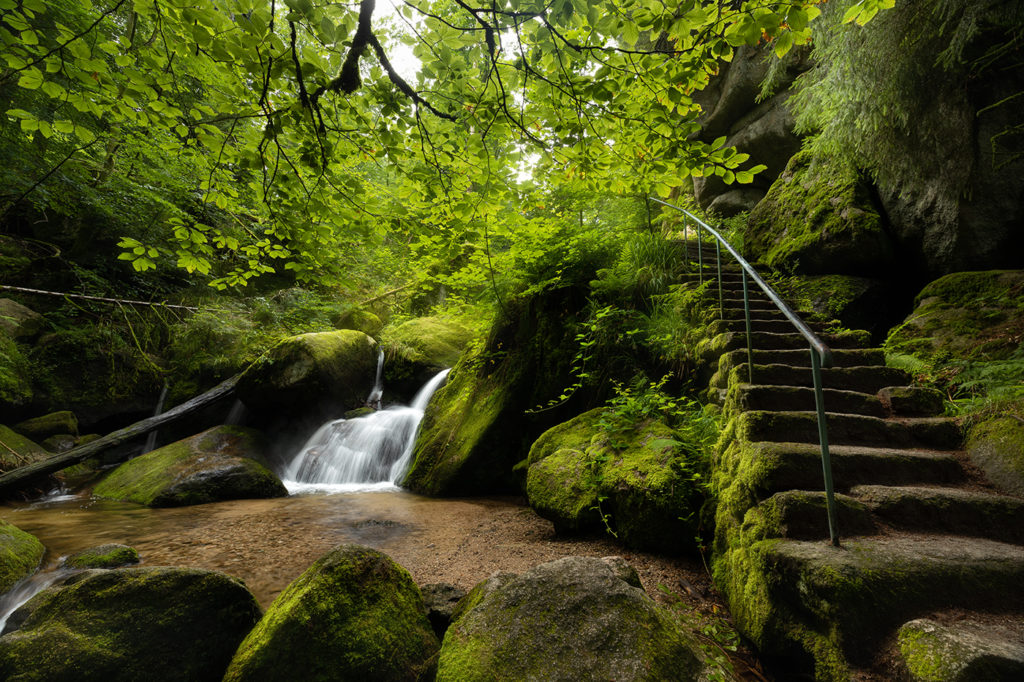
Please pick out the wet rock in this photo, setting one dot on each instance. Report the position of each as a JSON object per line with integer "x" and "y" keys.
{"x": 20, "y": 554}
{"x": 222, "y": 463}
{"x": 20, "y": 323}
{"x": 324, "y": 373}
{"x": 996, "y": 446}
{"x": 18, "y": 450}
{"x": 354, "y": 614}
{"x": 570, "y": 619}
{"x": 641, "y": 487}
{"x": 53, "y": 424}
{"x": 420, "y": 348}
{"x": 968, "y": 652}
{"x": 103, "y": 556}
{"x": 130, "y": 624}
{"x": 440, "y": 600}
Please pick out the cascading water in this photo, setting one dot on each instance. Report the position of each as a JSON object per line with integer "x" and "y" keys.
{"x": 366, "y": 453}
{"x": 377, "y": 394}
{"x": 151, "y": 438}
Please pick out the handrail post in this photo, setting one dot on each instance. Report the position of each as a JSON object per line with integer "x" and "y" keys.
{"x": 718, "y": 259}
{"x": 826, "y": 461}
{"x": 686, "y": 242}
{"x": 700, "y": 258}
{"x": 750, "y": 343}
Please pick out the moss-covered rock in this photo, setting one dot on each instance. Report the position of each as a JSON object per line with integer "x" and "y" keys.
{"x": 857, "y": 302}
{"x": 996, "y": 446}
{"x": 15, "y": 375}
{"x": 418, "y": 349}
{"x": 634, "y": 481}
{"x": 478, "y": 425}
{"x": 967, "y": 315}
{"x": 818, "y": 218}
{"x": 353, "y": 615}
{"x": 968, "y": 652}
{"x": 129, "y": 624}
{"x": 18, "y": 321}
{"x": 103, "y": 556}
{"x": 570, "y": 619}
{"x": 323, "y": 373}
{"x": 222, "y": 463}
{"x": 20, "y": 554}
{"x": 17, "y": 450}
{"x": 361, "y": 320}
{"x": 53, "y": 424}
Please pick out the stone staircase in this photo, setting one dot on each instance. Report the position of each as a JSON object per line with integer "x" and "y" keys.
{"x": 921, "y": 535}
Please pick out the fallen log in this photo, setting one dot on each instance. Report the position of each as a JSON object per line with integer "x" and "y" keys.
{"x": 12, "y": 479}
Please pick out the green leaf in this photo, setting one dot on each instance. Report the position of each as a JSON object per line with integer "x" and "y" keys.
{"x": 31, "y": 79}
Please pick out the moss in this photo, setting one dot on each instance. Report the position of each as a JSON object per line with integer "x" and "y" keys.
{"x": 130, "y": 624}
{"x": 215, "y": 465}
{"x": 20, "y": 554}
{"x": 818, "y": 218}
{"x": 996, "y": 446}
{"x": 15, "y": 375}
{"x": 432, "y": 340}
{"x": 17, "y": 450}
{"x": 922, "y": 654}
{"x": 562, "y": 489}
{"x": 55, "y": 423}
{"x": 360, "y": 320}
{"x": 354, "y": 614}
{"x": 103, "y": 556}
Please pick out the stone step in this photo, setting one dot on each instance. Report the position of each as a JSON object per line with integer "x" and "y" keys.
{"x": 946, "y": 510}
{"x": 912, "y": 401}
{"x": 797, "y": 466}
{"x": 938, "y": 433}
{"x": 799, "y": 399}
{"x": 729, "y": 341}
{"x": 841, "y": 357}
{"x": 801, "y": 515}
{"x": 863, "y": 379}
{"x": 862, "y": 592}
{"x": 774, "y": 325}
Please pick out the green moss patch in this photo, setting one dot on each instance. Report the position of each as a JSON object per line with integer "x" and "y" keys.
{"x": 354, "y": 614}
{"x": 222, "y": 463}
{"x": 103, "y": 556}
{"x": 15, "y": 375}
{"x": 17, "y": 450}
{"x": 996, "y": 446}
{"x": 20, "y": 554}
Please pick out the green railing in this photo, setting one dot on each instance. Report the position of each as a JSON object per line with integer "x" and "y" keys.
{"x": 821, "y": 356}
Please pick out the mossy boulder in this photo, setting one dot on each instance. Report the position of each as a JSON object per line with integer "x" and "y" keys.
{"x": 570, "y": 619}
{"x": 323, "y": 373}
{"x": 634, "y": 481}
{"x": 17, "y": 450}
{"x": 996, "y": 446}
{"x": 361, "y": 320}
{"x": 53, "y": 424}
{"x": 856, "y": 302}
{"x": 221, "y": 463}
{"x": 964, "y": 315}
{"x": 353, "y": 615}
{"x": 18, "y": 321}
{"x": 818, "y": 218}
{"x": 419, "y": 348}
{"x": 968, "y": 652}
{"x": 15, "y": 375}
{"x": 480, "y": 423}
{"x": 129, "y": 624}
{"x": 20, "y": 554}
{"x": 103, "y": 556}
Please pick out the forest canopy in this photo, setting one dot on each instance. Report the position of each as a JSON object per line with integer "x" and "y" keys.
{"x": 234, "y": 138}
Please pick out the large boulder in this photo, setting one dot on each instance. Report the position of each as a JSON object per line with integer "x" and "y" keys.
{"x": 479, "y": 425}
{"x": 570, "y": 619}
{"x": 857, "y": 302}
{"x": 996, "y": 446}
{"x": 20, "y": 554}
{"x": 634, "y": 482}
{"x": 129, "y": 624}
{"x": 420, "y": 348}
{"x": 18, "y": 321}
{"x": 222, "y": 463}
{"x": 53, "y": 424}
{"x": 16, "y": 450}
{"x": 353, "y": 615}
{"x": 320, "y": 374}
{"x": 818, "y": 218}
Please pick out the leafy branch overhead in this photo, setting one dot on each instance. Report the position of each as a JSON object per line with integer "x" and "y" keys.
{"x": 300, "y": 126}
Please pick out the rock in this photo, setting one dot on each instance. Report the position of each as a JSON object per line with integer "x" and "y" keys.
{"x": 818, "y": 218}
{"x": 996, "y": 446}
{"x": 969, "y": 652}
{"x": 60, "y": 443}
{"x": 324, "y": 373}
{"x": 103, "y": 556}
{"x": 15, "y": 376}
{"x": 222, "y": 463}
{"x": 53, "y": 424}
{"x": 642, "y": 489}
{"x": 20, "y": 554}
{"x": 734, "y": 201}
{"x": 857, "y": 302}
{"x": 20, "y": 323}
{"x": 418, "y": 349}
{"x": 361, "y": 320}
{"x": 969, "y": 315}
{"x": 476, "y": 428}
{"x": 17, "y": 450}
{"x": 353, "y": 615}
{"x": 130, "y": 624}
{"x": 570, "y": 619}
{"x": 440, "y": 600}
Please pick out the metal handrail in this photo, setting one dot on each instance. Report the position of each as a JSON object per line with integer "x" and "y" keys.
{"x": 821, "y": 355}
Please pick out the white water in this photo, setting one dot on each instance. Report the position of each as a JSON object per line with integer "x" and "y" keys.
{"x": 151, "y": 438}
{"x": 366, "y": 453}
{"x": 377, "y": 394}
{"x": 26, "y": 589}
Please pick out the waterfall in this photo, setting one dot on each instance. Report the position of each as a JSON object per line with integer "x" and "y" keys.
{"x": 26, "y": 589}
{"x": 365, "y": 453}
{"x": 151, "y": 438}
{"x": 378, "y": 385}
